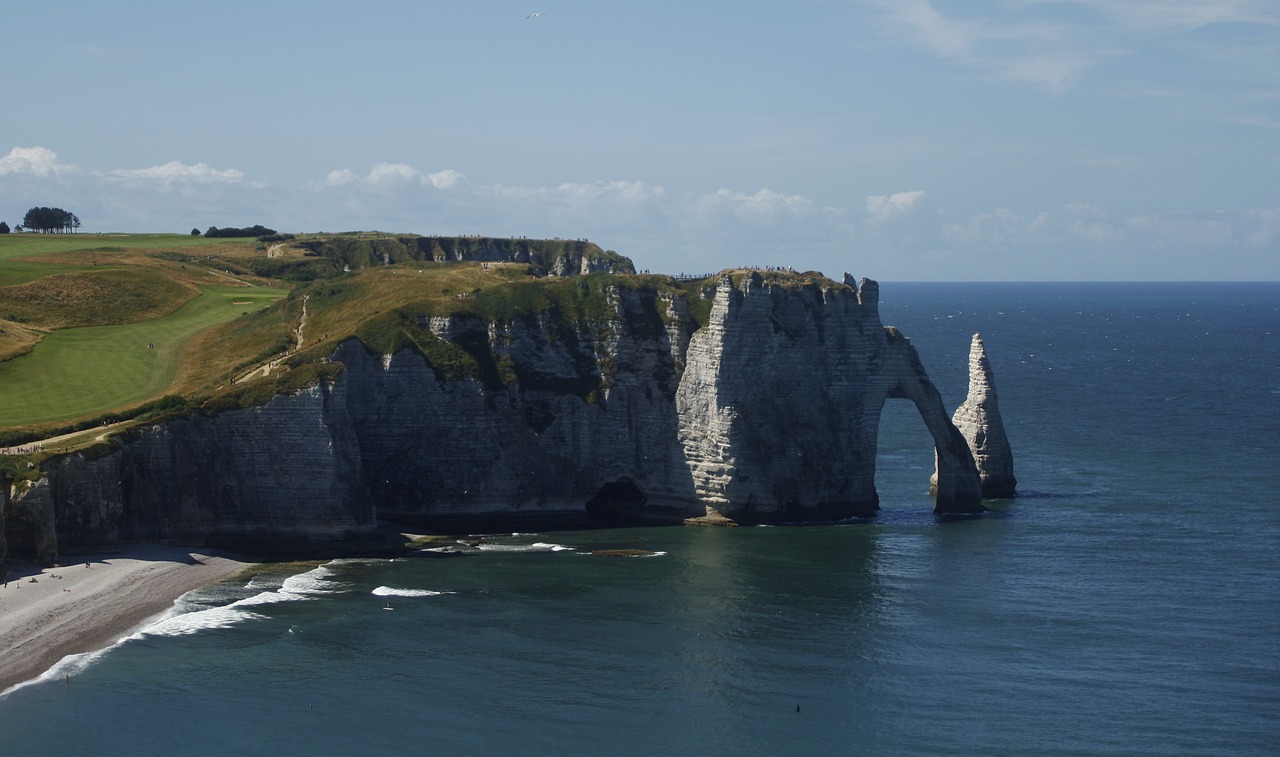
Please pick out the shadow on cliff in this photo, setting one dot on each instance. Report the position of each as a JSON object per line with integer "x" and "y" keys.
{"x": 545, "y": 422}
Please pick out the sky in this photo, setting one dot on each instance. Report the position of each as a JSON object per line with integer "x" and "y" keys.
{"x": 901, "y": 140}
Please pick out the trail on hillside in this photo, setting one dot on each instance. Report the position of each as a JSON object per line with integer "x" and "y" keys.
{"x": 264, "y": 370}
{"x": 52, "y": 443}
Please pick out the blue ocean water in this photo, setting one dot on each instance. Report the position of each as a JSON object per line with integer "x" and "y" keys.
{"x": 1127, "y": 603}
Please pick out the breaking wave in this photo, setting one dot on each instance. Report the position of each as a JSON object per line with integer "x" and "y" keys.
{"x": 389, "y": 591}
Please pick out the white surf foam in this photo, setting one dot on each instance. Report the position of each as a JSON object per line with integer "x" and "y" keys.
{"x": 315, "y": 581}
{"x": 535, "y": 547}
{"x": 68, "y": 666}
{"x": 180, "y": 622}
{"x": 389, "y": 591}
{"x": 203, "y": 620}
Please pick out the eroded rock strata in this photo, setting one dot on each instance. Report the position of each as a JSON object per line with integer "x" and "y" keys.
{"x": 979, "y": 421}
{"x": 766, "y": 411}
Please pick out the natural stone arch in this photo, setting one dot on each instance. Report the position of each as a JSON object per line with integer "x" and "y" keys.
{"x": 959, "y": 487}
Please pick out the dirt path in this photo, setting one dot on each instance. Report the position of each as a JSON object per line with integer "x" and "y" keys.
{"x": 264, "y": 370}
{"x": 53, "y": 443}
{"x": 302, "y": 322}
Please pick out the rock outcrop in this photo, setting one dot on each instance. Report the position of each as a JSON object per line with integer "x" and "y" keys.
{"x": 979, "y": 421}
{"x": 780, "y": 404}
{"x": 764, "y": 410}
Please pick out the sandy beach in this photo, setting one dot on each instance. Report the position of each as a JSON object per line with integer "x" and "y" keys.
{"x": 92, "y": 602}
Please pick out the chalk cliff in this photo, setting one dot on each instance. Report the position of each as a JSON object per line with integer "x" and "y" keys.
{"x": 650, "y": 406}
{"x": 979, "y": 420}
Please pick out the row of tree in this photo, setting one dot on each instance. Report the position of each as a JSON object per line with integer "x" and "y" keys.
{"x": 57, "y": 220}
{"x": 257, "y": 230}
{"x": 50, "y": 220}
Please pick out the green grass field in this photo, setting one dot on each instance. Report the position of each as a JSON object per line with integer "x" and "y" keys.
{"x": 14, "y": 247}
{"x": 77, "y": 313}
{"x": 81, "y": 372}
{"x": 18, "y": 245}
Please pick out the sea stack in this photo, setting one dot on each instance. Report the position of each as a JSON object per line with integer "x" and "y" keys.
{"x": 978, "y": 419}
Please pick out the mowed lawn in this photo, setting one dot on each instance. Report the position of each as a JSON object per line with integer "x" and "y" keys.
{"x": 88, "y": 371}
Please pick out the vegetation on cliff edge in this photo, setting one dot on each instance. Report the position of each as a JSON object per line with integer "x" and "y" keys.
{"x": 287, "y": 302}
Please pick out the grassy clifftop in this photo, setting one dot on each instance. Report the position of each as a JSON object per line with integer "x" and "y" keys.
{"x": 101, "y": 328}
{"x": 94, "y": 328}
{"x": 320, "y": 256}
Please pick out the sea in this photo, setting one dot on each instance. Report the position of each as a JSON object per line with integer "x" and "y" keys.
{"x": 1127, "y": 602}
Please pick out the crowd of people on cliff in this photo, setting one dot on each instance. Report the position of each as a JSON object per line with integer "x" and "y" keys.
{"x": 28, "y": 449}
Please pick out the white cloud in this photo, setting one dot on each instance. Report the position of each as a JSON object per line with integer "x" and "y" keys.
{"x": 765, "y": 206}
{"x": 175, "y": 172}
{"x": 947, "y": 37}
{"x": 885, "y": 208}
{"x": 40, "y": 161}
{"x": 1184, "y": 14}
{"x": 579, "y": 194}
{"x": 340, "y": 178}
{"x": 392, "y": 173}
{"x": 445, "y": 179}
{"x": 1049, "y": 43}
{"x": 389, "y": 176}
{"x": 1030, "y": 49}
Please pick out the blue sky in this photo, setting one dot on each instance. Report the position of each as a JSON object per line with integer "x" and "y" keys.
{"x": 900, "y": 140}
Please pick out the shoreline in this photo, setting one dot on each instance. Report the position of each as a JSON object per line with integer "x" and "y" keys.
{"x": 90, "y": 604}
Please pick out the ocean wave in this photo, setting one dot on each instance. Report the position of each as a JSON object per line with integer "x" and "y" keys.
{"x": 535, "y": 547}
{"x": 315, "y": 581}
{"x": 389, "y": 591}
{"x": 188, "y": 623}
{"x": 183, "y": 621}
{"x": 68, "y": 666}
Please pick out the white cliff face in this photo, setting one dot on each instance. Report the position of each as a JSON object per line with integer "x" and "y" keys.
{"x": 279, "y": 477}
{"x": 780, "y": 404}
{"x": 978, "y": 419}
{"x": 768, "y": 413}
{"x": 589, "y": 408}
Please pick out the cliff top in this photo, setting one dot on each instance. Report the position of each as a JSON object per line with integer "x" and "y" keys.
{"x": 218, "y": 323}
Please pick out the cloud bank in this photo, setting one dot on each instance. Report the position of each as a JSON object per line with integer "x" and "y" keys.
{"x": 174, "y": 172}
{"x": 37, "y": 161}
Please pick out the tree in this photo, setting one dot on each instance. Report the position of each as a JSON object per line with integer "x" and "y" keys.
{"x": 4, "y": 227}
{"x": 257, "y": 230}
{"x": 195, "y": 232}
{"x": 51, "y": 220}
